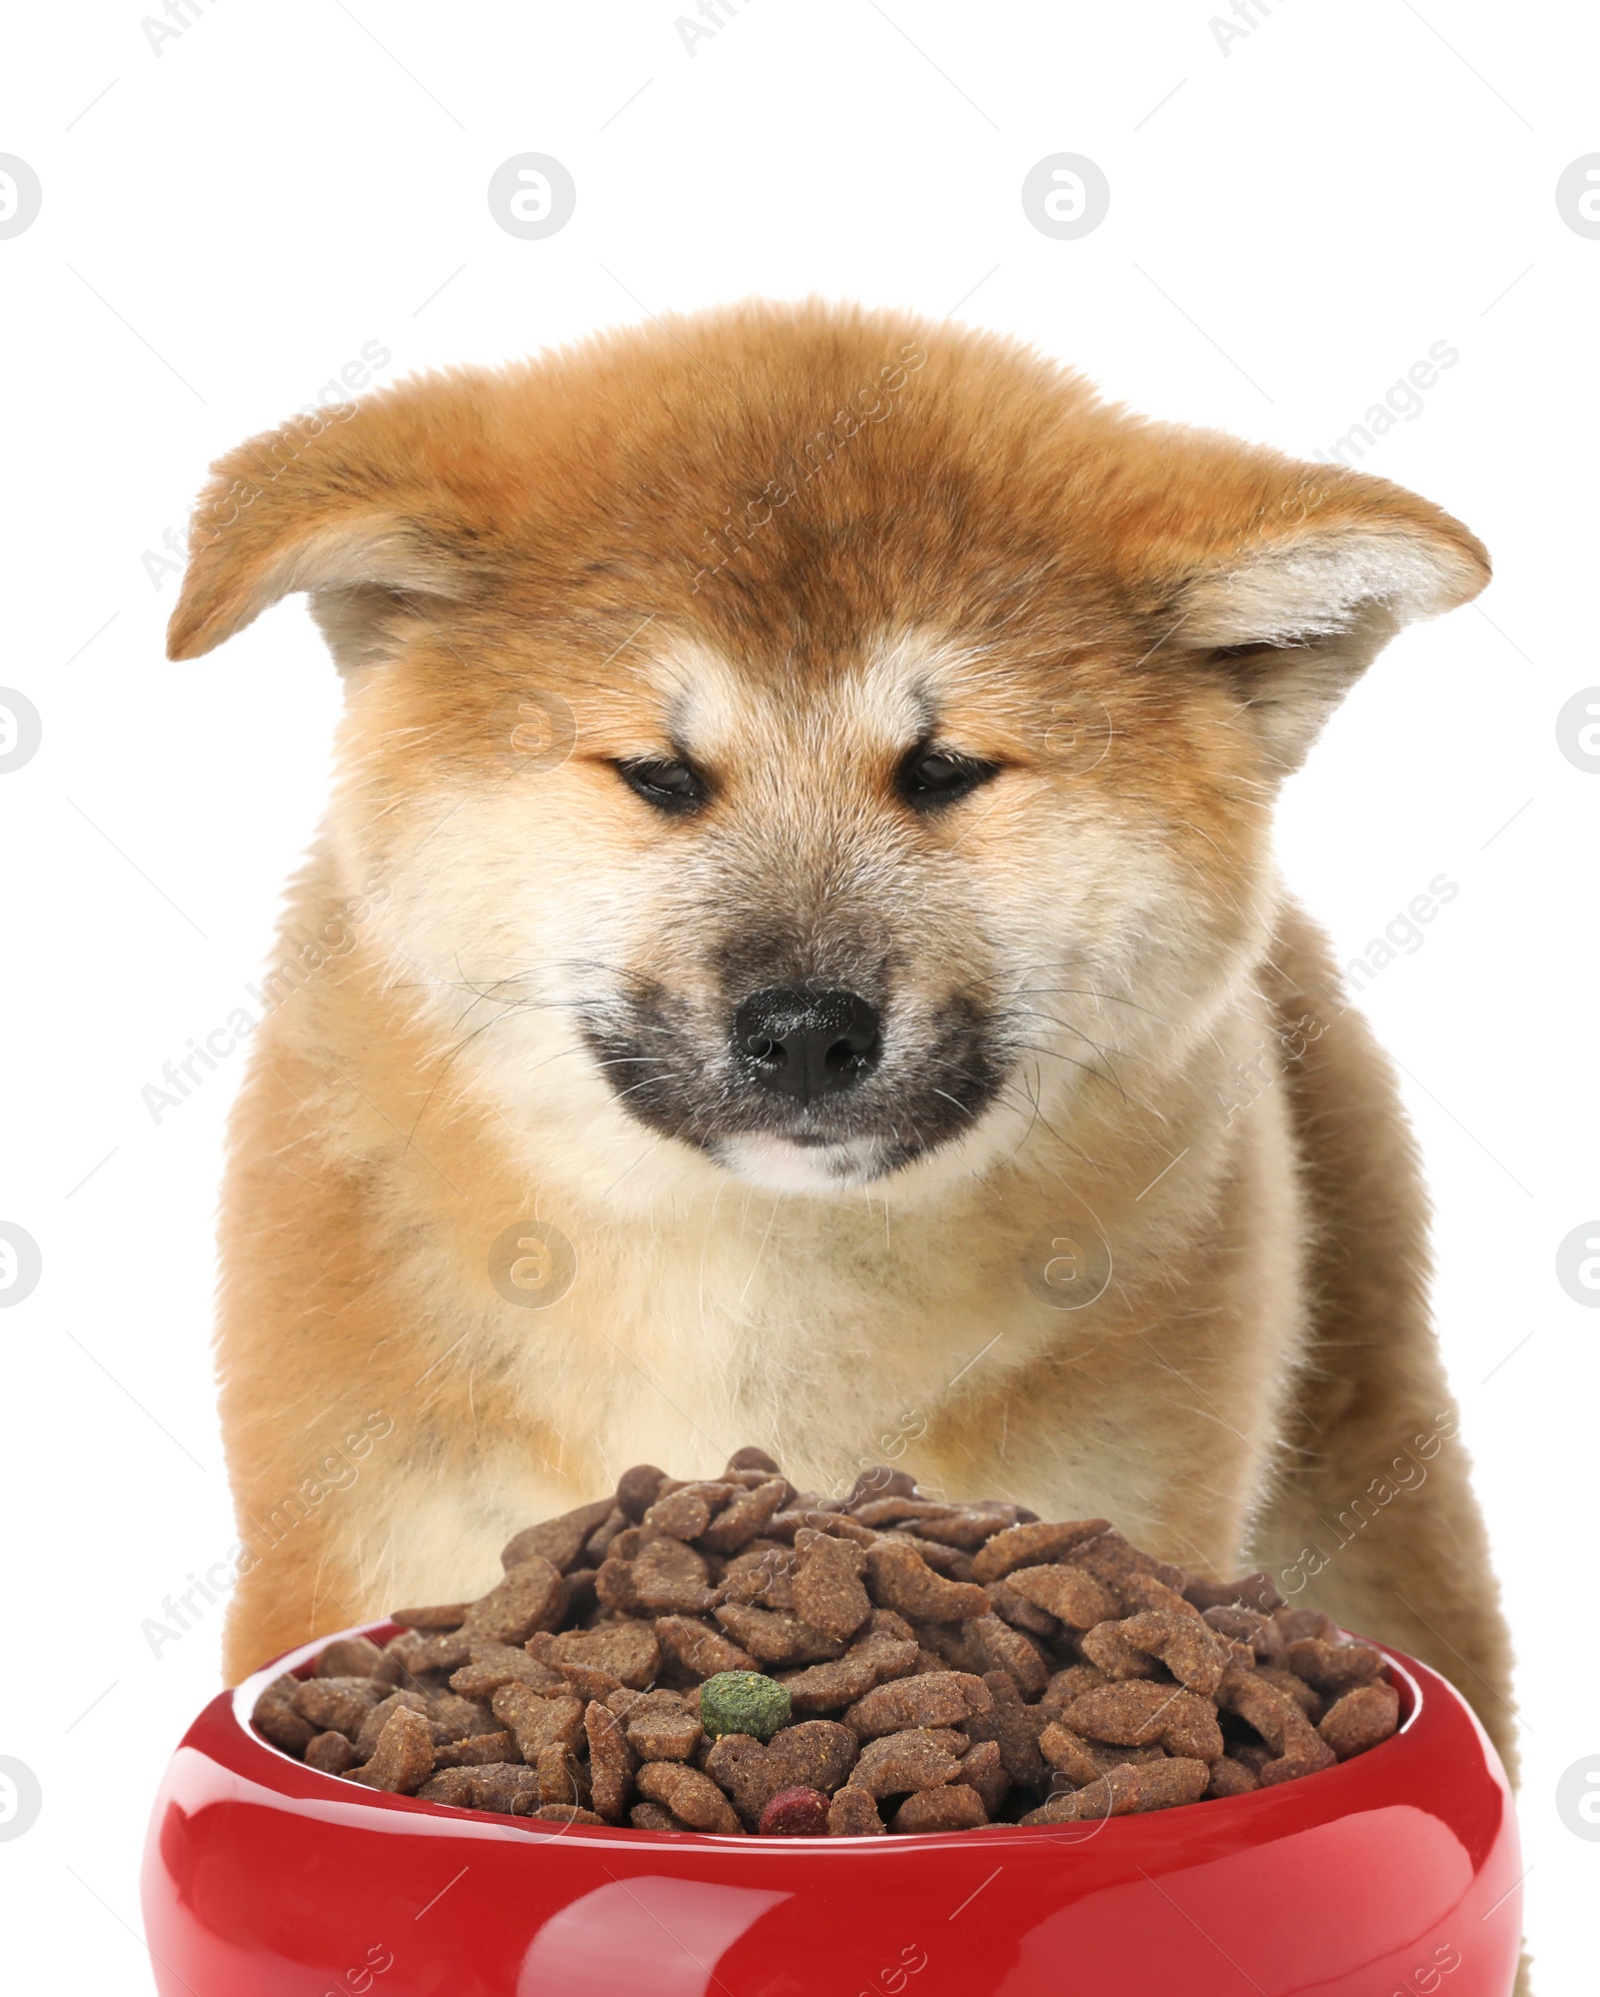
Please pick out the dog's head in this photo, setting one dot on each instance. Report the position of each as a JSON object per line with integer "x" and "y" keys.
{"x": 830, "y": 740}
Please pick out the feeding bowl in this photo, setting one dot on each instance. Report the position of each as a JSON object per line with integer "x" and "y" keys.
{"x": 1395, "y": 1872}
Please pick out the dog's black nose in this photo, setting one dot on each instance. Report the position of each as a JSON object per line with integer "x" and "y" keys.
{"x": 806, "y": 1044}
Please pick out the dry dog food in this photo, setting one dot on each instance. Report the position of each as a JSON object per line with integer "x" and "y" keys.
{"x": 735, "y": 1656}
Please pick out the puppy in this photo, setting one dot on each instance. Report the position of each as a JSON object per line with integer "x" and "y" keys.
{"x": 795, "y": 957}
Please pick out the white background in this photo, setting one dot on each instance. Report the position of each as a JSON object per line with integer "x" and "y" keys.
{"x": 227, "y": 222}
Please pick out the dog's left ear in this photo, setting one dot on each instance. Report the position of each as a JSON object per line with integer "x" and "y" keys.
{"x": 1293, "y": 610}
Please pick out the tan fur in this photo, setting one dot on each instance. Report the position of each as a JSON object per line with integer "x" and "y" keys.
{"x": 1144, "y": 627}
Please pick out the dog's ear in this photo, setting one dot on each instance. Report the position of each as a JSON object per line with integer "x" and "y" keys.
{"x": 351, "y": 506}
{"x": 1294, "y": 607}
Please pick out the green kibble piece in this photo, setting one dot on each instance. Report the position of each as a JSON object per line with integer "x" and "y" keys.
{"x": 744, "y": 1702}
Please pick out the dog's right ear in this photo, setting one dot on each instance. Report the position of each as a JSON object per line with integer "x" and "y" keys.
{"x": 343, "y": 505}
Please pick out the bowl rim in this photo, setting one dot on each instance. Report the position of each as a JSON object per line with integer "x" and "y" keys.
{"x": 239, "y": 1702}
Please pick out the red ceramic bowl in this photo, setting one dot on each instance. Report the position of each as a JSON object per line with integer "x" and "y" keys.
{"x": 1397, "y": 1872}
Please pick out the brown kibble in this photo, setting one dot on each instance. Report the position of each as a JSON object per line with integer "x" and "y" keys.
{"x": 880, "y": 1480}
{"x": 669, "y": 1578}
{"x": 417, "y": 1653}
{"x": 538, "y": 1722}
{"x": 1149, "y": 1591}
{"x": 952, "y": 1808}
{"x": 1115, "y": 1561}
{"x": 1126, "y": 1790}
{"x": 532, "y": 1597}
{"x": 1018, "y": 1610}
{"x": 564, "y": 1813}
{"x": 1229, "y": 1778}
{"x": 1360, "y": 1720}
{"x": 744, "y": 1516}
{"x": 442, "y": 1616}
{"x": 890, "y": 1655}
{"x": 276, "y": 1716}
{"x": 581, "y": 1597}
{"x": 970, "y": 1526}
{"x": 403, "y": 1758}
{"x": 700, "y": 1649}
{"x": 751, "y": 1458}
{"x": 894, "y": 1508}
{"x": 511, "y": 1790}
{"x": 1071, "y": 1683}
{"x": 954, "y": 1647}
{"x": 1014, "y": 1726}
{"x": 1064, "y": 1592}
{"x": 611, "y": 1762}
{"x": 930, "y": 1699}
{"x": 613, "y": 1585}
{"x": 453, "y": 1786}
{"x": 827, "y": 1588}
{"x": 1069, "y": 1754}
{"x": 1297, "y": 1623}
{"x": 1001, "y": 1648}
{"x": 1297, "y": 1747}
{"x": 563, "y": 1778}
{"x": 604, "y": 1536}
{"x": 1310, "y": 1701}
{"x": 627, "y": 1651}
{"x": 495, "y": 1664}
{"x": 1249, "y": 1626}
{"x": 373, "y": 1725}
{"x": 358, "y": 1657}
{"x": 901, "y": 1579}
{"x": 653, "y": 1817}
{"x": 950, "y": 1561}
{"x": 585, "y": 1682}
{"x": 475, "y": 1750}
{"x": 815, "y": 1754}
{"x": 1138, "y": 1714}
{"x": 775, "y": 1636}
{"x": 826, "y": 1688}
{"x": 693, "y": 1798}
{"x": 458, "y": 1717}
{"x": 1110, "y": 1651}
{"x": 1029, "y": 1545}
{"x": 920, "y": 1758}
{"x": 1334, "y": 1668}
{"x": 1183, "y": 1643}
{"x": 763, "y": 1573}
{"x": 332, "y": 1753}
{"x": 1253, "y": 1591}
{"x": 982, "y": 1769}
{"x": 853, "y": 1814}
{"x": 637, "y": 1489}
{"x": 837, "y": 1525}
{"x": 660, "y": 1727}
{"x": 558, "y": 1540}
{"x": 686, "y": 1512}
{"x": 1178, "y": 1779}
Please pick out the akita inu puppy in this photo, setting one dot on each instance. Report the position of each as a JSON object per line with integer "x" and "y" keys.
{"x": 795, "y": 958}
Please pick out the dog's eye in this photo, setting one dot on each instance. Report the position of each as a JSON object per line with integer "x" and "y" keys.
{"x": 669, "y": 786}
{"x": 929, "y": 778}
